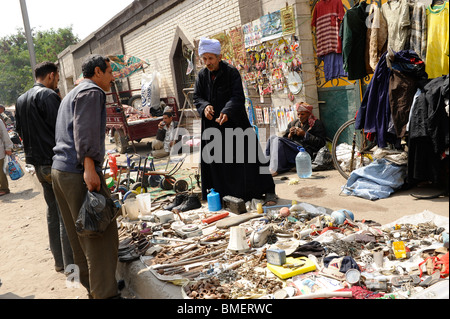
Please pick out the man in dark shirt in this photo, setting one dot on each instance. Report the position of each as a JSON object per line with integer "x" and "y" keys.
{"x": 36, "y": 112}
{"x": 77, "y": 168}
{"x": 306, "y": 131}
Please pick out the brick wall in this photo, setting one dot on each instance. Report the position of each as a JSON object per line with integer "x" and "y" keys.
{"x": 195, "y": 18}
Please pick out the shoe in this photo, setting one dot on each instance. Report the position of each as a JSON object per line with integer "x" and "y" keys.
{"x": 179, "y": 199}
{"x": 4, "y": 193}
{"x": 192, "y": 202}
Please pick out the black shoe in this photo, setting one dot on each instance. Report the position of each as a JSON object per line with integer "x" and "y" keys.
{"x": 179, "y": 199}
{"x": 192, "y": 202}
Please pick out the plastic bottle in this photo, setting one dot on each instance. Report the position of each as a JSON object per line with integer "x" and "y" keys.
{"x": 303, "y": 163}
{"x": 214, "y": 203}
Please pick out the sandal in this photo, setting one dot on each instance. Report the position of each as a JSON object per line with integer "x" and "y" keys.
{"x": 270, "y": 199}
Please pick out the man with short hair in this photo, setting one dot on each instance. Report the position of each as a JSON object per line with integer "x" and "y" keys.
{"x": 77, "y": 168}
{"x": 165, "y": 136}
{"x": 36, "y": 112}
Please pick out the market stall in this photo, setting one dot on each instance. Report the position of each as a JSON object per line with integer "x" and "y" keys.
{"x": 296, "y": 251}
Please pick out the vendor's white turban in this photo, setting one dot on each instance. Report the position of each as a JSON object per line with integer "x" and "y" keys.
{"x": 209, "y": 46}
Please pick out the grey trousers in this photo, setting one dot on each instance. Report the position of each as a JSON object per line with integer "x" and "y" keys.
{"x": 96, "y": 258}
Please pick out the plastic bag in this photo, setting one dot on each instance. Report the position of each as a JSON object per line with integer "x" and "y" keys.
{"x": 13, "y": 168}
{"x": 95, "y": 215}
{"x": 323, "y": 160}
{"x": 150, "y": 92}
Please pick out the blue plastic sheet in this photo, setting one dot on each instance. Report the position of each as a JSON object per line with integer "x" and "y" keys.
{"x": 378, "y": 180}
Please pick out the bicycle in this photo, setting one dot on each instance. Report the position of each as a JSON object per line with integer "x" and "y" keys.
{"x": 351, "y": 149}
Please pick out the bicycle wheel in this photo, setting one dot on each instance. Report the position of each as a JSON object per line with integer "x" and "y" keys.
{"x": 350, "y": 149}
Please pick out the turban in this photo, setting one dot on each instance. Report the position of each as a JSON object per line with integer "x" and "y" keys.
{"x": 304, "y": 107}
{"x": 209, "y": 46}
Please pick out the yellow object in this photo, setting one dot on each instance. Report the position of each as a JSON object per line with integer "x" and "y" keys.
{"x": 294, "y": 202}
{"x": 437, "y": 60}
{"x": 259, "y": 208}
{"x": 399, "y": 249}
{"x": 289, "y": 269}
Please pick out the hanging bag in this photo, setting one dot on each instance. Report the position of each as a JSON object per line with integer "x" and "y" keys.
{"x": 95, "y": 215}
{"x": 13, "y": 168}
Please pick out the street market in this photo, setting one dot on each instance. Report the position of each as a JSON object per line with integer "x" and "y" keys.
{"x": 358, "y": 223}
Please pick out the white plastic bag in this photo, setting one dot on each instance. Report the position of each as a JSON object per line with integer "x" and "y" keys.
{"x": 150, "y": 92}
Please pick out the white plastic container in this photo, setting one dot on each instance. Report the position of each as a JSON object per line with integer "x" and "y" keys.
{"x": 132, "y": 208}
{"x": 145, "y": 203}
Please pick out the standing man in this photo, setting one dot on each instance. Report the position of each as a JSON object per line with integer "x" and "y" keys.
{"x": 6, "y": 146}
{"x": 77, "y": 168}
{"x": 219, "y": 98}
{"x": 36, "y": 112}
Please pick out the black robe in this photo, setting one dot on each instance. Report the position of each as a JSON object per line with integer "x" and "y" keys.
{"x": 248, "y": 178}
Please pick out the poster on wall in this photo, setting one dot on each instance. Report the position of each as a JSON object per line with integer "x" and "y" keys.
{"x": 237, "y": 44}
{"x": 271, "y": 26}
{"x": 288, "y": 20}
{"x": 252, "y": 33}
{"x": 225, "y": 42}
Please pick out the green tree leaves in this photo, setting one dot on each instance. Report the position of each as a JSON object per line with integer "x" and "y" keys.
{"x": 16, "y": 75}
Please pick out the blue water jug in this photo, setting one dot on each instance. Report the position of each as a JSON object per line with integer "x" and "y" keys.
{"x": 214, "y": 203}
{"x": 303, "y": 163}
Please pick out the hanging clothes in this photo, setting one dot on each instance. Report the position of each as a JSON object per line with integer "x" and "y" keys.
{"x": 353, "y": 33}
{"x": 377, "y": 35}
{"x": 418, "y": 33}
{"x": 333, "y": 66}
{"x": 428, "y": 132}
{"x": 396, "y": 14}
{"x": 437, "y": 59}
{"x": 374, "y": 113}
{"x": 408, "y": 74}
{"x": 327, "y": 17}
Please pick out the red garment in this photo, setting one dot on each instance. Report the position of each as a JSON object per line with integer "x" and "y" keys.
{"x": 327, "y": 18}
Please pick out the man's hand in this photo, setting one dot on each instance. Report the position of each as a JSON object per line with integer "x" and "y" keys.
{"x": 8, "y": 152}
{"x": 90, "y": 176}
{"x": 209, "y": 112}
{"x": 161, "y": 125}
{"x": 222, "y": 118}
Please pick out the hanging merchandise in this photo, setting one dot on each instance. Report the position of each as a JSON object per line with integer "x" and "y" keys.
{"x": 150, "y": 92}
{"x": 396, "y": 14}
{"x": 353, "y": 34}
{"x": 271, "y": 26}
{"x": 327, "y": 17}
{"x": 295, "y": 82}
{"x": 437, "y": 58}
{"x": 288, "y": 20}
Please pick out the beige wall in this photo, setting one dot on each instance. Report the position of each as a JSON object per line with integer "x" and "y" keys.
{"x": 194, "y": 18}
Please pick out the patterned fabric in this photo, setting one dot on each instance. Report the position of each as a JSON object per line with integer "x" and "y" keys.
{"x": 418, "y": 39}
{"x": 327, "y": 18}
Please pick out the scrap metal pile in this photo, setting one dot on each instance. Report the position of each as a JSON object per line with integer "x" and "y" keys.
{"x": 292, "y": 251}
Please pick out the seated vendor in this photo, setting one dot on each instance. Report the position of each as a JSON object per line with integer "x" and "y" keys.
{"x": 306, "y": 131}
{"x": 165, "y": 136}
